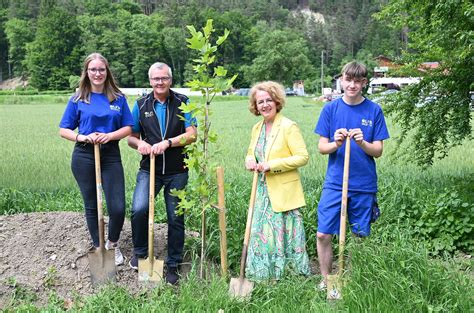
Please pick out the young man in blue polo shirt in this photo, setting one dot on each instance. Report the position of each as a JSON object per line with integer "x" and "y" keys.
{"x": 363, "y": 121}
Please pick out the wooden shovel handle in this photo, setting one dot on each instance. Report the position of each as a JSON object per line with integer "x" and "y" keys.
{"x": 98, "y": 183}
{"x": 345, "y": 189}
{"x": 222, "y": 221}
{"x": 151, "y": 207}
{"x": 243, "y": 259}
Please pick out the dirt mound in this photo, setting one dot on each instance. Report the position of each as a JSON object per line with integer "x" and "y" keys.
{"x": 44, "y": 252}
{"x": 10, "y": 84}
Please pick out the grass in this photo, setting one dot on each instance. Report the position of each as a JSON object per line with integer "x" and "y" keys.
{"x": 390, "y": 271}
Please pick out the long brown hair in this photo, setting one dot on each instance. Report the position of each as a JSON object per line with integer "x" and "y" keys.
{"x": 111, "y": 89}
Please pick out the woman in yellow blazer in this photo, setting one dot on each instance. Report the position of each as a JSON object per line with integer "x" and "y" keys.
{"x": 276, "y": 151}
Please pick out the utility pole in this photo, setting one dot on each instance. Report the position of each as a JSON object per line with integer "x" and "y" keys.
{"x": 322, "y": 71}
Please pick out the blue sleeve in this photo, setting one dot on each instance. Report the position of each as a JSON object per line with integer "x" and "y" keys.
{"x": 380, "y": 129}
{"x": 136, "y": 119}
{"x": 323, "y": 125}
{"x": 189, "y": 120}
{"x": 70, "y": 117}
{"x": 127, "y": 119}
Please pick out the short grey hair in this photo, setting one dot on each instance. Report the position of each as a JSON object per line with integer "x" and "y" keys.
{"x": 159, "y": 65}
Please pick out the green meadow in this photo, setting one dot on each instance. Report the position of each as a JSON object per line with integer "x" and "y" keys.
{"x": 409, "y": 264}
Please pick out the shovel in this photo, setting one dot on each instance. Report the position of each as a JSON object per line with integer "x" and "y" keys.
{"x": 151, "y": 269}
{"x": 334, "y": 282}
{"x": 101, "y": 261}
{"x": 241, "y": 287}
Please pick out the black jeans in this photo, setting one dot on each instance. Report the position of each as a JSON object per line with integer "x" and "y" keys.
{"x": 113, "y": 184}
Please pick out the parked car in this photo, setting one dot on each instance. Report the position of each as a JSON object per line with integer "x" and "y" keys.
{"x": 380, "y": 97}
{"x": 242, "y": 92}
{"x": 290, "y": 92}
{"x": 332, "y": 96}
{"x": 425, "y": 101}
{"x": 471, "y": 105}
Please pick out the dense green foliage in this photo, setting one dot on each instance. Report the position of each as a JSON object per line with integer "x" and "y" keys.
{"x": 53, "y": 55}
{"x": 435, "y": 112}
{"x": 280, "y": 40}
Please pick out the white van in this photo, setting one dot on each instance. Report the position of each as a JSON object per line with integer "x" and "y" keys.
{"x": 382, "y": 83}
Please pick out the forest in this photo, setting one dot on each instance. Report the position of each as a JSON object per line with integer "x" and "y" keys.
{"x": 285, "y": 40}
{"x": 45, "y": 41}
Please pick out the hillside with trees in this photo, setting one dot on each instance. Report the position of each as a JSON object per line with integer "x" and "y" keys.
{"x": 45, "y": 41}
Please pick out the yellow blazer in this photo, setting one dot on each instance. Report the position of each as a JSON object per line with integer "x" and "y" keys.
{"x": 285, "y": 152}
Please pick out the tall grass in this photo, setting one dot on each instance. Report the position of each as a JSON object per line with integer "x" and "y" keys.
{"x": 391, "y": 271}
{"x": 394, "y": 267}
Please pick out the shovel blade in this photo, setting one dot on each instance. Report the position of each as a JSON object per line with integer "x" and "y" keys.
{"x": 240, "y": 288}
{"x": 150, "y": 270}
{"x": 334, "y": 287}
{"x": 102, "y": 266}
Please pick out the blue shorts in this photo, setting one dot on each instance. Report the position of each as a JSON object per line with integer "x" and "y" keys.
{"x": 359, "y": 211}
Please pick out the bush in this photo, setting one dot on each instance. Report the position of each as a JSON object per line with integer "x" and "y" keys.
{"x": 448, "y": 223}
{"x": 74, "y": 81}
{"x": 30, "y": 92}
{"x": 445, "y": 221}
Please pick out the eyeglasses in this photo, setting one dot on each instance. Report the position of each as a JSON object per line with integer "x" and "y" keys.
{"x": 162, "y": 79}
{"x": 96, "y": 70}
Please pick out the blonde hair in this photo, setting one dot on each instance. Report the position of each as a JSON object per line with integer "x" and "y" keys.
{"x": 274, "y": 89}
{"x": 111, "y": 89}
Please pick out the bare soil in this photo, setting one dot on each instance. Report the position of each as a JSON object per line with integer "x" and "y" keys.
{"x": 10, "y": 84}
{"x": 44, "y": 252}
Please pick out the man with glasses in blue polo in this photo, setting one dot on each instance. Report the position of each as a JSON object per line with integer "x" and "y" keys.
{"x": 160, "y": 129}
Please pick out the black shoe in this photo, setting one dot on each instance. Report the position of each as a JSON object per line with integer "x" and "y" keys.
{"x": 172, "y": 276}
{"x": 134, "y": 262}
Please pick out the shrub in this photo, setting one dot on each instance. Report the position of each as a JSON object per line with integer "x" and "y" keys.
{"x": 448, "y": 224}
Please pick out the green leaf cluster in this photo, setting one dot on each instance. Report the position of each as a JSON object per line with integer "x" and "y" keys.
{"x": 434, "y": 114}
{"x": 446, "y": 222}
{"x": 210, "y": 79}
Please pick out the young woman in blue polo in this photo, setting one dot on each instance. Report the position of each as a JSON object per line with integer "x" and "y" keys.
{"x": 101, "y": 114}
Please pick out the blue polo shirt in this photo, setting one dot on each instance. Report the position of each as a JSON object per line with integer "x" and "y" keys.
{"x": 99, "y": 115}
{"x": 160, "y": 113}
{"x": 367, "y": 116}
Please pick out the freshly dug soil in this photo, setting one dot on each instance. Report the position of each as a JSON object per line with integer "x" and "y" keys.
{"x": 44, "y": 252}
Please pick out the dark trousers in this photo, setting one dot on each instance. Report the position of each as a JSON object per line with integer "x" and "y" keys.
{"x": 113, "y": 184}
{"x": 140, "y": 214}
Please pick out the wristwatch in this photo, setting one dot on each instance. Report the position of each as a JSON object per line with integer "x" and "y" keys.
{"x": 170, "y": 143}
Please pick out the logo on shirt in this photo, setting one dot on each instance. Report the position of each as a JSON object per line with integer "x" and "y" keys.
{"x": 366, "y": 122}
{"x": 115, "y": 107}
{"x": 149, "y": 114}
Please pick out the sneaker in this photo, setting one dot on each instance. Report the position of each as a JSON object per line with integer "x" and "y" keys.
{"x": 134, "y": 262}
{"x": 172, "y": 276}
{"x": 322, "y": 285}
{"x": 119, "y": 259}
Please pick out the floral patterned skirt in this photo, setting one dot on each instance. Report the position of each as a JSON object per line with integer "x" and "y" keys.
{"x": 277, "y": 242}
